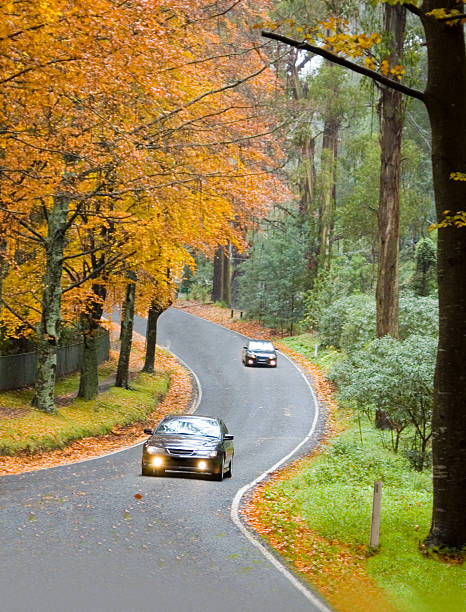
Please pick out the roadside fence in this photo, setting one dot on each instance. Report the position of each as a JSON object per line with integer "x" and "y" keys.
{"x": 18, "y": 371}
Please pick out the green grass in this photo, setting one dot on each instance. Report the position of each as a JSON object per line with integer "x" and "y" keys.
{"x": 38, "y": 431}
{"x": 69, "y": 384}
{"x": 305, "y": 344}
{"x": 333, "y": 494}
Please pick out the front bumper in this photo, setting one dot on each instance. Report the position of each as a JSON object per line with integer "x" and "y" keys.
{"x": 261, "y": 362}
{"x": 201, "y": 465}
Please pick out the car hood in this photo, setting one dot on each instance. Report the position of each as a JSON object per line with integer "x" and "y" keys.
{"x": 185, "y": 442}
{"x": 263, "y": 354}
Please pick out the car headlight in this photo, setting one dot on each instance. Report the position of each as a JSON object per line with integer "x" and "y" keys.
{"x": 209, "y": 452}
{"x": 253, "y": 355}
{"x": 153, "y": 450}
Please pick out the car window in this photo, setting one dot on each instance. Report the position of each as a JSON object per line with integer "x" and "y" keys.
{"x": 261, "y": 346}
{"x": 187, "y": 426}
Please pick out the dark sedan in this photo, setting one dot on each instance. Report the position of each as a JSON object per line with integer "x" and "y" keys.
{"x": 259, "y": 352}
{"x": 189, "y": 443}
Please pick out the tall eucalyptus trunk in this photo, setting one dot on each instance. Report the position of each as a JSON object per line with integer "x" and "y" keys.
{"x": 48, "y": 328}
{"x": 327, "y": 196}
{"x": 391, "y": 127}
{"x": 122, "y": 375}
{"x": 445, "y": 97}
{"x": 307, "y": 144}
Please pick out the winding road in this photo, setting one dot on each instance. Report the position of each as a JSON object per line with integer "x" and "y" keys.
{"x": 75, "y": 538}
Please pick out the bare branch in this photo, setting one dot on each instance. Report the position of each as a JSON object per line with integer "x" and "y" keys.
{"x": 94, "y": 273}
{"x": 21, "y": 72}
{"x": 331, "y": 57}
{"x": 19, "y": 32}
{"x": 17, "y": 315}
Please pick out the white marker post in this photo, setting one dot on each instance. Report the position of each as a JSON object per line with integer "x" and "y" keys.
{"x": 375, "y": 523}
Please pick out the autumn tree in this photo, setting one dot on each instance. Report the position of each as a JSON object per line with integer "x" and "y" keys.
{"x": 92, "y": 157}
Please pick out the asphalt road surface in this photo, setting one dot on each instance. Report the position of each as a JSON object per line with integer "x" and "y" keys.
{"x": 75, "y": 537}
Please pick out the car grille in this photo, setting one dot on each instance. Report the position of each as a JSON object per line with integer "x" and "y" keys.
{"x": 180, "y": 451}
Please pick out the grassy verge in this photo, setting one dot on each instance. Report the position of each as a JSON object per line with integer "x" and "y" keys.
{"x": 36, "y": 431}
{"x": 317, "y": 514}
{"x": 306, "y": 344}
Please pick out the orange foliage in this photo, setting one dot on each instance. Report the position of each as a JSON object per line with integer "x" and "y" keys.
{"x": 151, "y": 117}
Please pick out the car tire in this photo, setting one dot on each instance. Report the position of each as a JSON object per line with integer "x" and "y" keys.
{"x": 221, "y": 470}
{"x": 229, "y": 472}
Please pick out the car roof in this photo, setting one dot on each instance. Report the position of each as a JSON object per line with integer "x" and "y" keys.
{"x": 264, "y": 342}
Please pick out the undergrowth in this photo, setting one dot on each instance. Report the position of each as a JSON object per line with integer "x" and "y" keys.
{"x": 324, "y": 504}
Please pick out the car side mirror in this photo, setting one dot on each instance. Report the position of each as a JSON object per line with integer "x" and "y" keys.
{"x": 228, "y": 437}
{"x": 149, "y": 432}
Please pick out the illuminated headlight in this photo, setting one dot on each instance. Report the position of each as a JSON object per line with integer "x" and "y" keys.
{"x": 202, "y": 465}
{"x": 272, "y": 361}
{"x": 157, "y": 461}
{"x": 253, "y": 355}
{"x": 250, "y": 361}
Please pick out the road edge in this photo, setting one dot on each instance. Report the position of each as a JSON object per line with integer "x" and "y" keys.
{"x": 235, "y": 516}
{"x": 251, "y": 535}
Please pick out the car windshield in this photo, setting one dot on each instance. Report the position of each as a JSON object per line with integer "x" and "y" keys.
{"x": 189, "y": 427}
{"x": 266, "y": 347}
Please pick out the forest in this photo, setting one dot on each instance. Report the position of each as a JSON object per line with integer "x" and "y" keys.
{"x": 301, "y": 161}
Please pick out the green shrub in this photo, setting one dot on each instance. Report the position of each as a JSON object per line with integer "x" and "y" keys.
{"x": 348, "y": 322}
{"x": 418, "y": 315}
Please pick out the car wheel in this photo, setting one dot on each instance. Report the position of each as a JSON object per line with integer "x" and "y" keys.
{"x": 221, "y": 471}
{"x": 229, "y": 472}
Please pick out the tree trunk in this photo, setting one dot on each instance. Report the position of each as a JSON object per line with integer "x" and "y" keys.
{"x": 3, "y": 266}
{"x": 122, "y": 374}
{"x": 327, "y": 210}
{"x": 309, "y": 178}
{"x": 151, "y": 336}
{"x": 48, "y": 329}
{"x": 89, "y": 380}
{"x": 445, "y": 98}
{"x": 90, "y": 322}
{"x": 217, "y": 283}
{"x": 391, "y": 126}
{"x": 226, "y": 277}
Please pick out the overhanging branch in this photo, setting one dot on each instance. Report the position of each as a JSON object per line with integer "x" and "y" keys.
{"x": 331, "y": 57}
